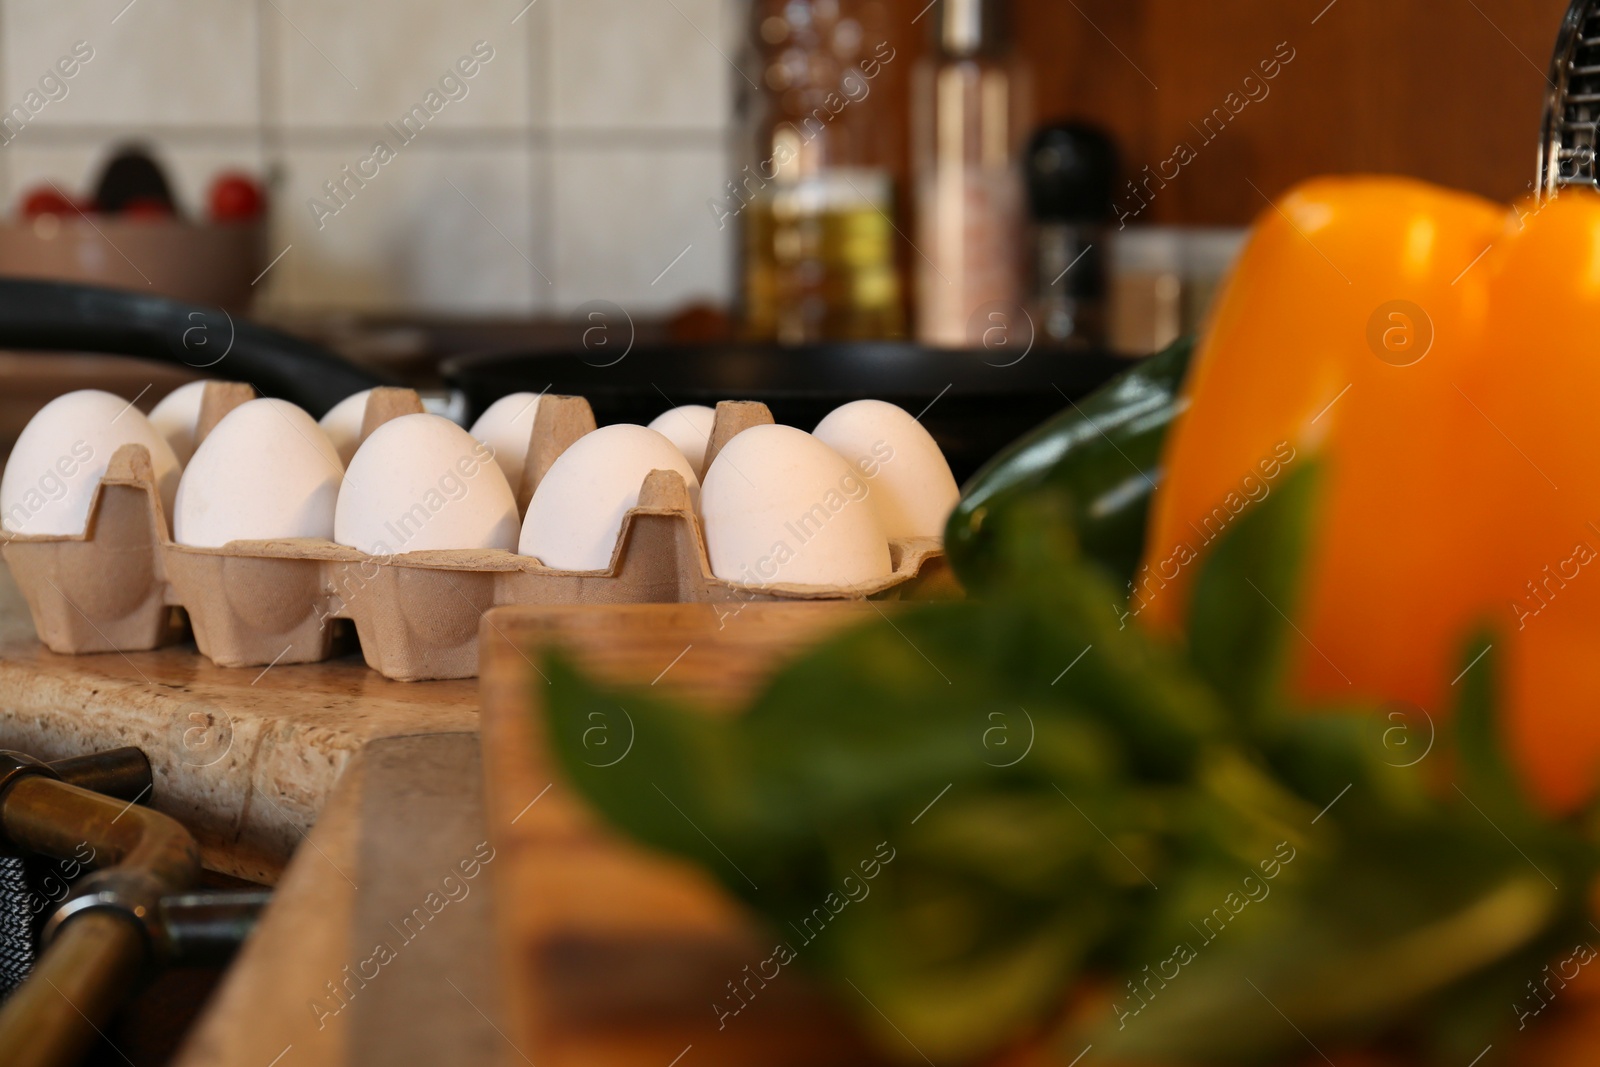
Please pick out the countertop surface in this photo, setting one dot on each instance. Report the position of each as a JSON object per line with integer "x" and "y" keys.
{"x": 245, "y": 758}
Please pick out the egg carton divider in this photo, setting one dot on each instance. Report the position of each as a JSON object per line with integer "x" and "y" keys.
{"x": 417, "y": 614}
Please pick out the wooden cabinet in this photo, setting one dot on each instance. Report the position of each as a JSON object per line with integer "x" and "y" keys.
{"x": 1446, "y": 90}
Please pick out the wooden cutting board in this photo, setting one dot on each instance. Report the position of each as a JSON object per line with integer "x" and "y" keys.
{"x": 375, "y": 949}
{"x": 613, "y": 956}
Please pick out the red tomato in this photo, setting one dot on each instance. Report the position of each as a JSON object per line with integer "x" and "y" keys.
{"x": 236, "y": 197}
{"x": 45, "y": 200}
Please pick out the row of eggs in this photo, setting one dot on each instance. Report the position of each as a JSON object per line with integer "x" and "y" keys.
{"x": 778, "y": 505}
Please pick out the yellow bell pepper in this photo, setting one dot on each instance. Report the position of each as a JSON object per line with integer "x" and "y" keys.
{"x": 1439, "y": 354}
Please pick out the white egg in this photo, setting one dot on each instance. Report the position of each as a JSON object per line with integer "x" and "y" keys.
{"x": 266, "y": 471}
{"x": 342, "y": 424}
{"x": 177, "y": 417}
{"x": 57, "y": 463}
{"x": 781, "y": 507}
{"x": 913, "y": 490}
{"x": 421, "y": 482}
{"x": 688, "y": 427}
{"x": 577, "y": 510}
{"x": 507, "y": 427}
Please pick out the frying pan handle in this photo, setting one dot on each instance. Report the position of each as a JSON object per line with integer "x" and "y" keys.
{"x": 68, "y": 317}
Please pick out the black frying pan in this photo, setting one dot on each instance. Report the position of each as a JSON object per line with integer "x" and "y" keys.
{"x": 974, "y": 403}
{"x": 65, "y": 317}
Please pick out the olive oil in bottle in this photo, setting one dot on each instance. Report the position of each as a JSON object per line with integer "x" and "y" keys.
{"x": 818, "y": 202}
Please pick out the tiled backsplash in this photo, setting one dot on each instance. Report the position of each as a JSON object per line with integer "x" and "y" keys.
{"x": 572, "y": 164}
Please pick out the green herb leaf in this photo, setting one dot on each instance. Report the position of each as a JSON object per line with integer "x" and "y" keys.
{"x": 1247, "y": 592}
{"x": 1486, "y": 776}
{"x": 1032, "y": 763}
{"x": 650, "y": 768}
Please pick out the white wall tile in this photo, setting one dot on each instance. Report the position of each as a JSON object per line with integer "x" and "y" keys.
{"x": 410, "y": 240}
{"x": 602, "y": 213}
{"x": 364, "y": 64}
{"x": 537, "y": 18}
{"x": 170, "y": 62}
{"x": 622, "y": 216}
{"x": 641, "y": 64}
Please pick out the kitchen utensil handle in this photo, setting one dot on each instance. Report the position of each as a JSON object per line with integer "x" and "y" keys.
{"x": 68, "y": 317}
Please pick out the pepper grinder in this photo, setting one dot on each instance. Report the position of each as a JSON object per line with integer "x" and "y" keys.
{"x": 970, "y": 116}
{"x": 1072, "y": 170}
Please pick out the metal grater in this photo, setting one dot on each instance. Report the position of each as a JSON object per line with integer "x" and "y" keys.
{"x": 1567, "y": 151}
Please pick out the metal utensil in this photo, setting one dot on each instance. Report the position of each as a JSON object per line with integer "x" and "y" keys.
{"x": 1571, "y": 135}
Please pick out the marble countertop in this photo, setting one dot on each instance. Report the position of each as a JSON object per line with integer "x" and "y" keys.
{"x": 245, "y": 758}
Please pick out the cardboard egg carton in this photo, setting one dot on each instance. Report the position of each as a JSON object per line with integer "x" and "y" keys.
{"x": 254, "y": 603}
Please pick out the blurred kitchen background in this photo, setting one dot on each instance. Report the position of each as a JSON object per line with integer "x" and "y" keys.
{"x": 589, "y": 155}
